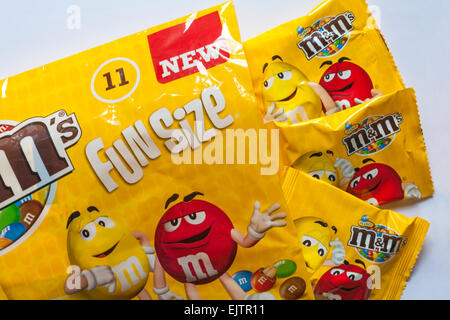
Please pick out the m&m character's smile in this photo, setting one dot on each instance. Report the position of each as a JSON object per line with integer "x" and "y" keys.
{"x": 347, "y": 83}
{"x": 344, "y": 282}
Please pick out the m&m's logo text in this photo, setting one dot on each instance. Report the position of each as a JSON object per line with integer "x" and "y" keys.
{"x": 374, "y": 242}
{"x": 372, "y": 135}
{"x": 327, "y": 36}
{"x": 188, "y": 48}
{"x": 33, "y": 155}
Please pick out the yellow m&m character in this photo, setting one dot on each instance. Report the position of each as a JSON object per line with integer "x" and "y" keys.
{"x": 316, "y": 237}
{"x": 290, "y": 96}
{"x": 112, "y": 262}
{"x": 319, "y": 165}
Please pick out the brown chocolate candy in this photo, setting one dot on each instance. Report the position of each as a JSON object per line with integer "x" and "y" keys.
{"x": 30, "y": 211}
{"x": 293, "y": 288}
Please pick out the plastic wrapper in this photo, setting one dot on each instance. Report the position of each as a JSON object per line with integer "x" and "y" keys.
{"x": 354, "y": 251}
{"x": 374, "y": 151}
{"x": 330, "y": 60}
{"x": 117, "y": 180}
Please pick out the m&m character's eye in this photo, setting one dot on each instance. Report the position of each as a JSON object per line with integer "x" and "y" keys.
{"x": 317, "y": 174}
{"x": 309, "y": 241}
{"x": 172, "y": 225}
{"x": 355, "y": 182}
{"x": 329, "y": 77}
{"x": 344, "y": 75}
{"x": 337, "y": 272}
{"x": 286, "y": 75}
{"x": 332, "y": 176}
{"x": 371, "y": 174}
{"x": 268, "y": 83}
{"x": 88, "y": 232}
{"x": 196, "y": 217}
{"x": 105, "y": 222}
{"x": 354, "y": 276}
{"x": 321, "y": 250}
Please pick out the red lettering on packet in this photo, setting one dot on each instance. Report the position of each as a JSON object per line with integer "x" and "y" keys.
{"x": 188, "y": 48}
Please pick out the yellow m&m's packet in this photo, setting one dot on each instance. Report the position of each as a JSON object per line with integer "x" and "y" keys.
{"x": 354, "y": 251}
{"x": 374, "y": 151}
{"x": 330, "y": 60}
{"x": 125, "y": 173}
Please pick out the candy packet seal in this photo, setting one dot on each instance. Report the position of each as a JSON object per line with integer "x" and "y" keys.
{"x": 354, "y": 271}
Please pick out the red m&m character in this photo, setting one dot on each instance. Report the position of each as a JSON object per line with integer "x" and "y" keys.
{"x": 379, "y": 184}
{"x": 344, "y": 282}
{"x": 196, "y": 243}
{"x": 193, "y": 231}
{"x": 347, "y": 83}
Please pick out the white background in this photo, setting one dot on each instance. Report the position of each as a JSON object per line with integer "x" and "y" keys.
{"x": 34, "y": 33}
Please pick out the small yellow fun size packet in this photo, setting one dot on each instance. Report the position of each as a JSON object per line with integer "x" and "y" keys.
{"x": 330, "y": 60}
{"x": 125, "y": 173}
{"x": 374, "y": 151}
{"x": 354, "y": 251}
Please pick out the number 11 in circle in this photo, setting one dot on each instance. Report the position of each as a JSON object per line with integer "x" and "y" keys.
{"x": 123, "y": 80}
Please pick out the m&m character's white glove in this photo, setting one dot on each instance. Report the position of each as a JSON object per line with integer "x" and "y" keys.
{"x": 275, "y": 115}
{"x": 262, "y": 222}
{"x": 338, "y": 254}
{"x": 263, "y": 296}
{"x": 150, "y": 252}
{"x": 373, "y": 202}
{"x": 100, "y": 276}
{"x": 166, "y": 294}
{"x": 347, "y": 169}
{"x": 412, "y": 191}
